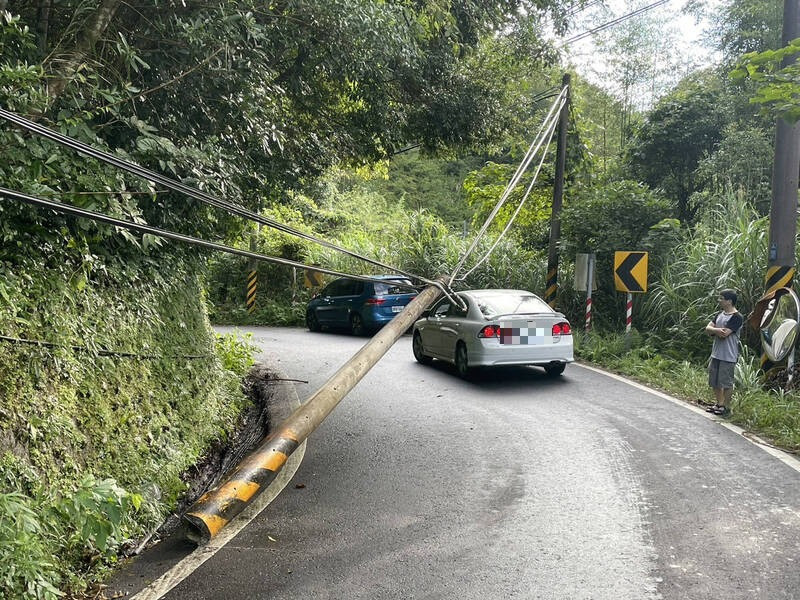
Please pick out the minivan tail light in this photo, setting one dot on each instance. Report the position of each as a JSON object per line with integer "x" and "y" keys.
{"x": 562, "y": 329}
{"x": 375, "y": 301}
{"x": 489, "y": 331}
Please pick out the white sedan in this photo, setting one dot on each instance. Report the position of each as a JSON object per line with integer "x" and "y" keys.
{"x": 495, "y": 327}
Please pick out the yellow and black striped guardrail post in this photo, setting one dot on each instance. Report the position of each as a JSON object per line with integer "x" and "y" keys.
{"x": 252, "y": 285}
{"x": 778, "y": 276}
{"x": 551, "y": 287}
{"x": 312, "y": 279}
{"x": 220, "y": 505}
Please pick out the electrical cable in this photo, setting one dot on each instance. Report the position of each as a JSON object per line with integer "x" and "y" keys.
{"x": 511, "y": 184}
{"x": 616, "y": 21}
{"x": 519, "y": 207}
{"x": 187, "y": 190}
{"x": 576, "y": 9}
{"x": 171, "y": 235}
{"x": 548, "y": 93}
{"x": 101, "y": 352}
{"x": 535, "y": 145}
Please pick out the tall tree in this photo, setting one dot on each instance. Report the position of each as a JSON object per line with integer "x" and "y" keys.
{"x": 683, "y": 127}
{"x": 250, "y": 99}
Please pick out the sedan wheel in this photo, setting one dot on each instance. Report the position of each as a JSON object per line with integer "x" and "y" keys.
{"x": 462, "y": 361}
{"x": 416, "y": 346}
{"x": 357, "y": 324}
{"x": 312, "y": 322}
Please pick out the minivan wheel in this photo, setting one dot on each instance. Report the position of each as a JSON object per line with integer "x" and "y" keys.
{"x": 312, "y": 322}
{"x": 357, "y": 324}
{"x": 462, "y": 360}
{"x": 419, "y": 354}
{"x": 555, "y": 369}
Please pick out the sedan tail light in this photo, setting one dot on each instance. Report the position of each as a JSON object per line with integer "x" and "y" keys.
{"x": 562, "y": 328}
{"x": 374, "y": 301}
{"x": 489, "y": 331}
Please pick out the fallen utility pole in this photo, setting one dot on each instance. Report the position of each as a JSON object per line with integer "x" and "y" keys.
{"x": 219, "y": 506}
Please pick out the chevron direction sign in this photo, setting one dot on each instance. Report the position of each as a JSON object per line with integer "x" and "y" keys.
{"x": 630, "y": 272}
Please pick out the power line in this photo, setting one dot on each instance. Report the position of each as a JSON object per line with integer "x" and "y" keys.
{"x": 616, "y": 21}
{"x": 171, "y": 235}
{"x": 100, "y": 351}
{"x": 189, "y": 191}
{"x": 551, "y": 131}
{"x": 574, "y": 9}
{"x": 529, "y": 155}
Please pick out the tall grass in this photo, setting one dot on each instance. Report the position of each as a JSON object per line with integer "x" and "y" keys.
{"x": 728, "y": 249}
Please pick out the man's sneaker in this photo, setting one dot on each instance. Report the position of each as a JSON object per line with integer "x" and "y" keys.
{"x": 712, "y": 408}
{"x": 722, "y": 411}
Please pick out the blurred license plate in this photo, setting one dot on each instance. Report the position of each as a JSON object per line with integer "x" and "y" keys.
{"x": 521, "y": 333}
{"x": 396, "y": 309}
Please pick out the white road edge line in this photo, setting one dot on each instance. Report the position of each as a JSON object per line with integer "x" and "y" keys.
{"x": 784, "y": 457}
{"x": 201, "y": 554}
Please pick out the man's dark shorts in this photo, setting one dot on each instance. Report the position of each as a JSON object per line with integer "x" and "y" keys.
{"x": 720, "y": 373}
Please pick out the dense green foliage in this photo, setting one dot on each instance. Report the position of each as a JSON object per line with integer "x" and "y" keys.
{"x": 681, "y": 129}
{"x": 415, "y": 182}
{"x": 778, "y": 83}
{"x": 604, "y": 218}
{"x": 122, "y": 391}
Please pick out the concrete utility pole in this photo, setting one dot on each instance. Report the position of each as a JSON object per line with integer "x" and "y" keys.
{"x": 551, "y": 285}
{"x": 217, "y": 507}
{"x": 783, "y": 210}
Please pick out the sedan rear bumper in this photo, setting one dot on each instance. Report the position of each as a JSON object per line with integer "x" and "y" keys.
{"x": 485, "y": 353}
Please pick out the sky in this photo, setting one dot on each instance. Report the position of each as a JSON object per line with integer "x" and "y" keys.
{"x": 678, "y": 45}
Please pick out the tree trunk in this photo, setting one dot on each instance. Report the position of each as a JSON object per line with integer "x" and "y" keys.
{"x": 42, "y": 25}
{"x": 66, "y": 66}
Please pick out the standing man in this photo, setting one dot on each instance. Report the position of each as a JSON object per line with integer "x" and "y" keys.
{"x": 725, "y": 351}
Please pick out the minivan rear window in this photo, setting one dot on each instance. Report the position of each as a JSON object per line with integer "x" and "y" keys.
{"x": 390, "y": 287}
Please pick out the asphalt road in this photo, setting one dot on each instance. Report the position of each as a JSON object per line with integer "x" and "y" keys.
{"x": 421, "y": 485}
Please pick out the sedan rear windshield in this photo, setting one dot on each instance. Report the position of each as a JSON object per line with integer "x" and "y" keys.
{"x": 512, "y": 305}
{"x": 390, "y": 287}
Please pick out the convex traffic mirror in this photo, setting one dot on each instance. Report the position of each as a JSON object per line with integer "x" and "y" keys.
{"x": 779, "y": 324}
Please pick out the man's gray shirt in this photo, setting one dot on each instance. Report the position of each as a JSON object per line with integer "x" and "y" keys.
{"x": 727, "y": 349}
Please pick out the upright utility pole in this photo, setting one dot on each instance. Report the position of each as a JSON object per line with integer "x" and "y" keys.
{"x": 783, "y": 210}
{"x": 551, "y": 286}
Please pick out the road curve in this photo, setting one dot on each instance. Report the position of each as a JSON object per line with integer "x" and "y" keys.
{"x": 421, "y": 485}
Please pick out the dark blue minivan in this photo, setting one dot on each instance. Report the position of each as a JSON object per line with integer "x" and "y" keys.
{"x": 361, "y": 306}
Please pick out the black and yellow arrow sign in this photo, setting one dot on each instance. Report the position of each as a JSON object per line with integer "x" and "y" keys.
{"x": 630, "y": 272}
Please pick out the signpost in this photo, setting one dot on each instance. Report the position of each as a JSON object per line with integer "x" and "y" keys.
{"x": 585, "y": 281}
{"x": 630, "y": 276}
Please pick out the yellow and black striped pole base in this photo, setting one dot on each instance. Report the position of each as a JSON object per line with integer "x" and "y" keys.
{"x": 217, "y": 507}
{"x": 551, "y": 287}
{"x": 778, "y": 276}
{"x": 252, "y": 284}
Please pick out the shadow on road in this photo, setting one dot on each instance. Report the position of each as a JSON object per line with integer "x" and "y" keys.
{"x": 500, "y": 380}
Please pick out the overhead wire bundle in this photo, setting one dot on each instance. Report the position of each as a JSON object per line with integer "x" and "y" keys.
{"x": 540, "y": 142}
{"x": 542, "y": 138}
